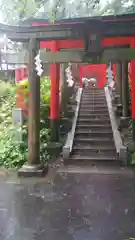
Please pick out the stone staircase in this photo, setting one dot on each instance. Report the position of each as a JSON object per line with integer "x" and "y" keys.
{"x": 93, "y": 142}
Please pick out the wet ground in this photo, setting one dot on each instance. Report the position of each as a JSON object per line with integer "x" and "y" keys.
{"x": 76, "y": 207}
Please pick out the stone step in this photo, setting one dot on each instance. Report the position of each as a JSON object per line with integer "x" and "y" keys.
{"x": 96, "y": 145}
{"x": 93, "y": 111}
{"x": 93, "y": 97}
{"x": 93, "y": 121}
{"x": 97, "y": 95}
{"x": 90, "y": 153}
{"x": 95, "y": 105}
{"x": 93, "y": 108}
{"x": 94, "y": 161}
{"x": 93, "y": 141}
{"x": 95, "y": 125}
{"x": 89, "y": 94}
{"x": 94, "y": 101}
{"x": 93, "y": 152}
{"x": 93, "y": 116}
{"x": 95, "y": 90}
{"x": 100, "y": 127}
{"x": 91, "y": 158}
{"x": 93, "y": 93}
{"x": 90, "y": 104}
{"x": 99, "y": 131}
{"x": 87, "y": 97}
{"x": 93, "y": 133}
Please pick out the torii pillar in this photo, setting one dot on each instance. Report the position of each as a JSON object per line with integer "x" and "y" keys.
{"x": 119, "y": 86}
{"x": 125, "y": 89}
{"x": 125, "y": 96}
{"x": 132, "y": 65}
{"x": 17, "y": 75}
{"x": 115, "y": 74}
{"x": 54, "y": 103}
{"x": 114, "y": 71}
{"x": 33, "y": 168}
{"x": 81, "y": 76}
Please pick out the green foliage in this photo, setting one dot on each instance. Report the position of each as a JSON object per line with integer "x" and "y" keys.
{"x": 13, "y": 153}
{"x": 132, "y": 147}
{"x": 45, "y": 90}
{"x": 133, "y": 159}
{"x": 44, "y": 113}
{"x": 44, "y": 138}
{"x": 9, "y": 151}
{"x": 130, "y": 238}
{"x": 130, "y": 126}
{"x": 5, "y": 89}
{"x": 14, "y": 11}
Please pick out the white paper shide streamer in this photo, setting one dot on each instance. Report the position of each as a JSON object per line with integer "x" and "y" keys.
{"x": 38, "y": 65}
{"x": 69, "y": 76}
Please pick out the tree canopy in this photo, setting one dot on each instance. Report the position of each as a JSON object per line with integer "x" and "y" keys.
{"x": 12, "y": 11}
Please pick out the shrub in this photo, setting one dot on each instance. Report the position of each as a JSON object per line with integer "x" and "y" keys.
{"x": 5, "y": 89}
{"x": 12, "y": 153}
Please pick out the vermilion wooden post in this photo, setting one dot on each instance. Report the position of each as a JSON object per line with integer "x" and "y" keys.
{"x": 17, "y": 75}
{"x": 54, "y": 103}
{"x": 125, "y": 91}
{"x": 132, "y": 68}
{"x": 81, "y": 76}
{"x": 114, "y": 71}
{"x": 119, "y": 79}
{"x": 22, "y": 73}
{"x": 124, "y": 120}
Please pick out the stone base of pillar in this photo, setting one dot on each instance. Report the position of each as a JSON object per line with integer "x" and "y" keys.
{"x": 69, "y": 113}
{"x": 66, "y": 125}
{"x": 117, "y": 91}
{"x": 123, "y": 156}
{"x": 115, "y": 99}
{"x": 131, "y": 145}
{"x": 55, "y": 129}
{"x": 119, "y": 109}
{"x": 133, "y": 129}
{"x": 54, "y": 149}
{"x": 124, "y": 122}
{"x": 28, "y": 170}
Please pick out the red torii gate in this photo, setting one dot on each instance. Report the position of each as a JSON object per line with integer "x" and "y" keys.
{"x": 54, "y": 74}
{"x": 56, "y": 45}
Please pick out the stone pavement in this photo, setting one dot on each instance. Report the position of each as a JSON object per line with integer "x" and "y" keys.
{"x": 75, "y": 207}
